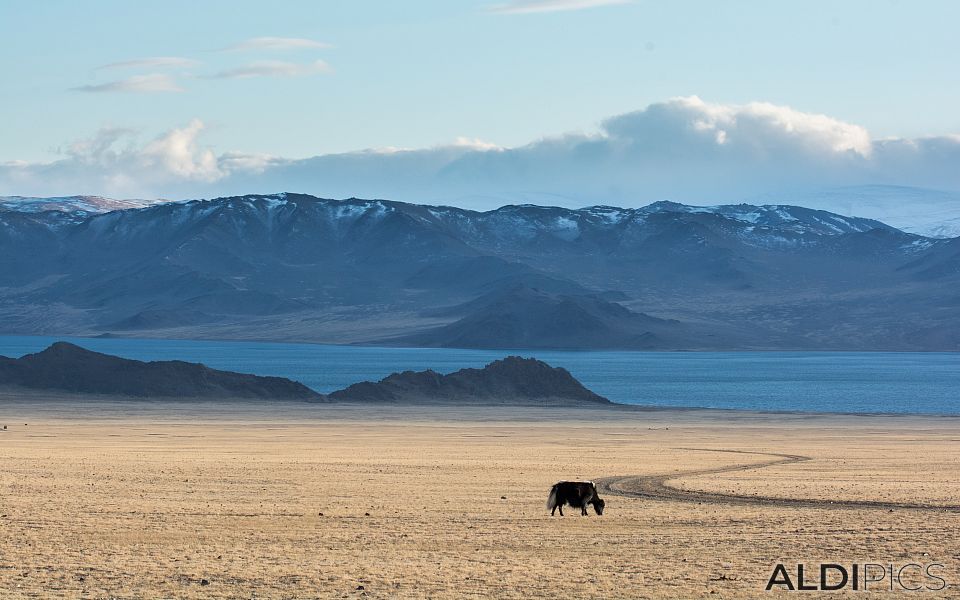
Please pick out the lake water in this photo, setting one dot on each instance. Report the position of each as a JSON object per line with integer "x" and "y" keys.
{"x": 854, "y": 382}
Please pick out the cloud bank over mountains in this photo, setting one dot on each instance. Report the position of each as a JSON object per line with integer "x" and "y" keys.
{"x": 683, "y": 149}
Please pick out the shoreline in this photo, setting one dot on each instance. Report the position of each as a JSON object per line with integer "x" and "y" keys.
{"x": 776, "y": 382}
{"x": 89, "y": 407}
{"x": 506, "y": 351}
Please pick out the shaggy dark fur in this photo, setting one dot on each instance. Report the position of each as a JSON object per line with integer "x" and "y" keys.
{"x": 578, "y": 494}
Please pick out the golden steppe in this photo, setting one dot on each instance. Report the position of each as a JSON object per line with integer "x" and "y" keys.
{"x": 180, "y": 500}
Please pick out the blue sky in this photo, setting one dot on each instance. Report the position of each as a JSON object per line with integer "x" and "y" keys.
{"x": 228, "y": 105}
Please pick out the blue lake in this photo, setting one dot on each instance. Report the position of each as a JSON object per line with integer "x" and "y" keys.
{"x": 854, "y": 382}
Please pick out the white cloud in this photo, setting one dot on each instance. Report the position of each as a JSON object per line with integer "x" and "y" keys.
{"x": 239, "y": 162}
{"x": 475, "y": 144}
{"x": 682, "y": 149}
{"x": 274, "y": 68}
{"x": 147, "y": 84}
{"x": 522, "y": 7}
{"x": 171, "y": 62}
{"x": 758, "y": 127}
{"x": 177, "y": 153}
{"x": 112, "y": 160}
{"x": 277, "y": 43}
{"x": 100, "y": 148}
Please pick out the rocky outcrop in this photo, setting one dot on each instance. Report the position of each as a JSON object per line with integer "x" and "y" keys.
{"x": 512, "y": 381}
{"x": 69, "y": 368}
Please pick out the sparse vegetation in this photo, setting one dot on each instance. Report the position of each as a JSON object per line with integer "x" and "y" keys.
{"x": 155, "y": 502}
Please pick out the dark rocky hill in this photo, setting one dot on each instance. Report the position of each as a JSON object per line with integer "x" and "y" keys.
{"x": 513, "y": 380}
{"x": 523, "y": 317}
{"x": 69, "y": 368}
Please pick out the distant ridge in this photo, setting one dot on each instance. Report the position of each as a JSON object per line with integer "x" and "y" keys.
{"x": 70, "y": 368}
{"x": 292, "y": 267}
{"x": 512, "y": 380}
{"x": 70, "y": 204}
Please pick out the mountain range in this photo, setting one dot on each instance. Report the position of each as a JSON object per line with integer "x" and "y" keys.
{"x": 293, "y": 267}
{"x": 928, "y": 212}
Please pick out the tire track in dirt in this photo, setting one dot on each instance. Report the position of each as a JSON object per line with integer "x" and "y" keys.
{"x": 656, "y": 487}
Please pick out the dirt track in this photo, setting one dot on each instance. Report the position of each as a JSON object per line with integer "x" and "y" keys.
{"x": 655, "y": 487}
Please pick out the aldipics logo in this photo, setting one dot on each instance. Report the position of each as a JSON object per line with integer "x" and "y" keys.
{"x": 829, "y": 577}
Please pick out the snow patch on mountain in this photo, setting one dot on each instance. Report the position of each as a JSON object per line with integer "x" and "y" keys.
{"x": 70, "y": 204}
{"x": 930, "y": 213}
{"x": 607, "y": 214}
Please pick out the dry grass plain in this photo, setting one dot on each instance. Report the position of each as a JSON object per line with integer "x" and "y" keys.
{"x": 160, "y": 500}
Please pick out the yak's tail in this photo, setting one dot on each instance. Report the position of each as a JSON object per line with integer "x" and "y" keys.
{"x": 552, "y": 499}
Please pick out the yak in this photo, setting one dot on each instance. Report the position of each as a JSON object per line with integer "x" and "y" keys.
{"x": 578, "y": 494}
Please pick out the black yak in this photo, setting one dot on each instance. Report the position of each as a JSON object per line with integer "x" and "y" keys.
{"x": 577, "y": 494}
